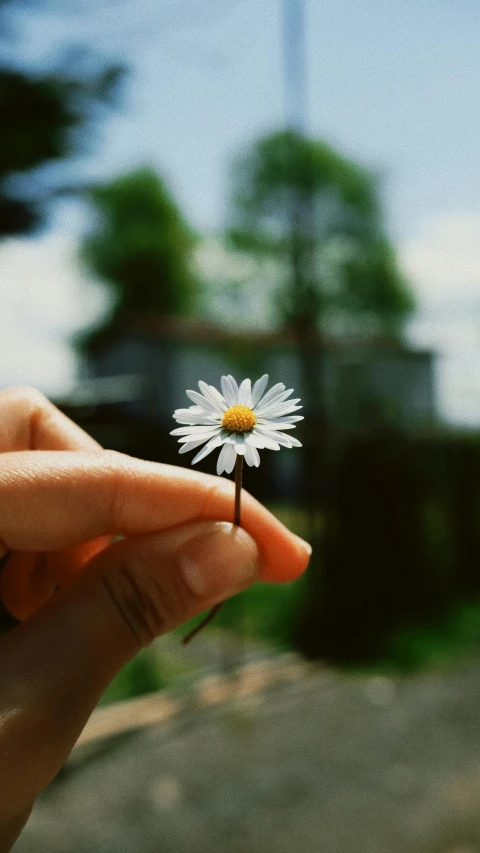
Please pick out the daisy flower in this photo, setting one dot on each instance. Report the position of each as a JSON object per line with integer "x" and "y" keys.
{"x": 241, "y": 421}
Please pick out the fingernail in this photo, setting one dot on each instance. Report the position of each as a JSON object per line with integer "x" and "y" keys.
{"x": 305, "y": 546}
{"x": 219, "y": 563}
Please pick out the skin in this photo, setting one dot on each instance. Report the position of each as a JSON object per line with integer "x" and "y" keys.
{"x": 62, "y": 500}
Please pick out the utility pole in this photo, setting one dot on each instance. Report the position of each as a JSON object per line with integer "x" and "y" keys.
{"x": 301, "y": 198}
{"x": 295, "y": 65}
{"x": 304, "y": 275}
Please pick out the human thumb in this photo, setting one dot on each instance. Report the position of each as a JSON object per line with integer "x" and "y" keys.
{"x": 55, "y": 665}
{"x": 154, "y": 583}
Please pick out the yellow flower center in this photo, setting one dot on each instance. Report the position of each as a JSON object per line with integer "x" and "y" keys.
{"x": 238, "y": 419}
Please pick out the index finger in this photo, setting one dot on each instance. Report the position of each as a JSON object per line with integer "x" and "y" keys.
{"x": 53, "y": 500}
{"x": 28, "y": 421}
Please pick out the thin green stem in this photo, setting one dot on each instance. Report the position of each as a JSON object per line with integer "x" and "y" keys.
{"x": 236, "y": 520}
{"x": 238, "y": 488}
{"x": 202, "y": 624}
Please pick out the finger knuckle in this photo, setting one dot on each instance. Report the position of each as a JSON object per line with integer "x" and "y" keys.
{"x": 25, "y": 394}
{"x": 116, "y": 468}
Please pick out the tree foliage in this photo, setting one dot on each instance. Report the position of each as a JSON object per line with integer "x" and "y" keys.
{"x": 317, "y": 214}
{"x": 141, "y": 246}
{"x": 44, "y": 117}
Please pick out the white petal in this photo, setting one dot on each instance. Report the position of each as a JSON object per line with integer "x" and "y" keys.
{"x": 279, "y": 437}
{"x": 283, "y": 400}
{"x": 261, "y": 442}
{"x": 285, "y": 419}
{"x": 190, "y": 445}
{"x": 259, "y": 388}
{"x": 191, "y": 430}
{"x": 257, "y": 457}
{"x": 197, "y": 420}
{"x": 270, "y": 395}
{"x": 255, "y": 440}
{"x": 240, "y": 444}
{"x": 278, "y": 424}
{"x": 265, "y": 438}
{"x": 231, "y": 460}
{"x": 195, "y": 415}
{"x": 250, "y": 454}
{"x": 294, "y": 441}
{"x": 206, "y": 405}
{"x": 228, "y": 391}
{"x": 221, "y": 458}
{"x": 226, "y": 459}
{"x": 269, "y": 442}
{"x": 234, "y": 387}
{"x": 191, "y": 410}
{"x": 279, "y": 398}
{"x": 185, "y": 430}
{"x": 215, "y": 442}
{"x": 279, "y": 409}
{"x": 273, "y": 404}
{"x": 205, "y": 436}
{"x": 245, "y": 393}
{"x": 213, "y": 396}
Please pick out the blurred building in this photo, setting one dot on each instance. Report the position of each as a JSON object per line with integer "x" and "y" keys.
{"x": 146, "y": 367}
{"x": 138, "y": 375}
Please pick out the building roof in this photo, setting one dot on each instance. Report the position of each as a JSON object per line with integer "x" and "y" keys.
{"x": 195, "y": 330}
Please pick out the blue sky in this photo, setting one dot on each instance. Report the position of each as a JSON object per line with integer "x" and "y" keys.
{"x": 393, "y": 84}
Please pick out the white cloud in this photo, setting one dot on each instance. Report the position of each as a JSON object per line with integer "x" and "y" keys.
{"x": 443, "y": 264}
{"x": 45, "y": 297}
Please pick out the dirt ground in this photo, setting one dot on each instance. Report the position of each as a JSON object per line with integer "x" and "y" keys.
{"x": 324, "y": 763}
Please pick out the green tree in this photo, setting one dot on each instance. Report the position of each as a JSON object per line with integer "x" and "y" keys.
{"x": 141, "y": 246}
{"x": 317, "y": 214}
{"x": 45, "y": 117}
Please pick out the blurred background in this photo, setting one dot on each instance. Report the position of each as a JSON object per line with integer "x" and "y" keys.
{"x": 286, "y": 186}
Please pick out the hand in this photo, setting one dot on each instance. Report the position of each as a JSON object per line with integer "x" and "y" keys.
{"x": 62, "y": 499}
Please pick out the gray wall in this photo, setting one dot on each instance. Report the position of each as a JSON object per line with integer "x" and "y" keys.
{"x": 358, "y": 387}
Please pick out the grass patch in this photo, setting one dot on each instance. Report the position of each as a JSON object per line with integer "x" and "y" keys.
{"x": 455, "y": 637}
{"x": 146, "y": 673}
{"x": 264, "y": 612}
